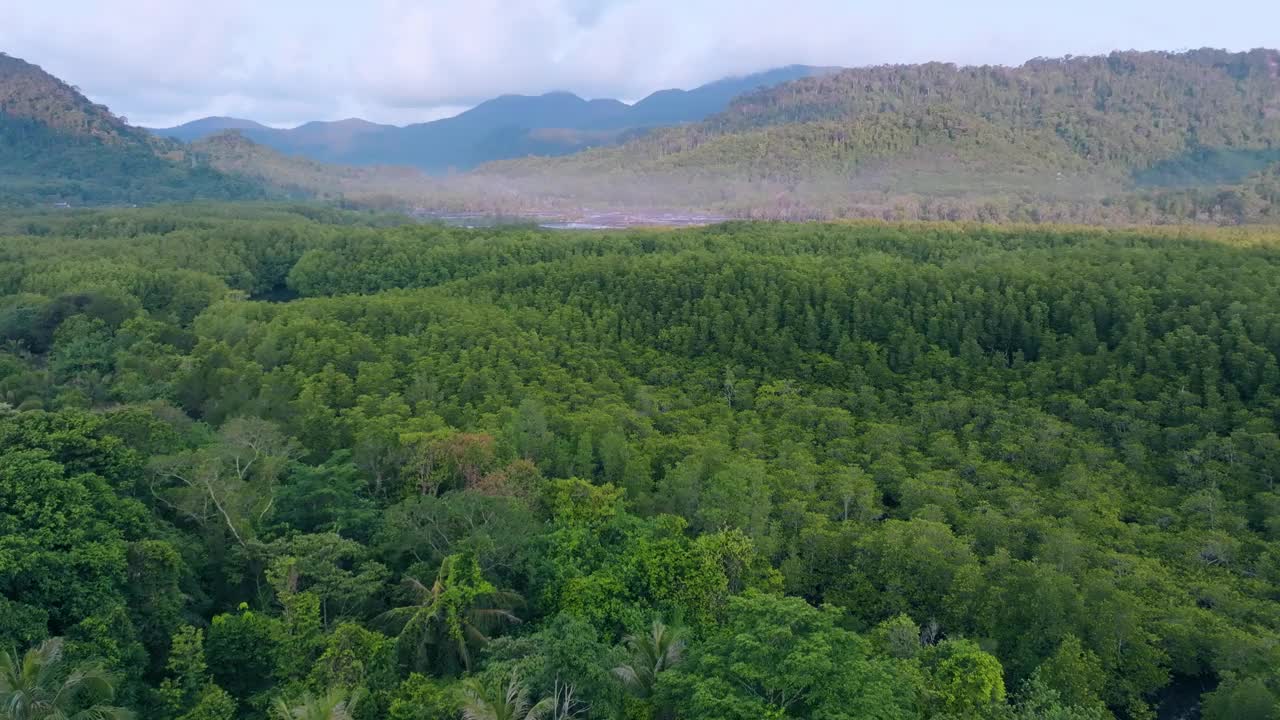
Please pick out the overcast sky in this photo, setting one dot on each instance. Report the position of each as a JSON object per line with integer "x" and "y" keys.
{"x": 281, "y": 62}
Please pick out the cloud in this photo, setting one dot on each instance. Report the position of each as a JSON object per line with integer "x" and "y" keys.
{"x": 286, "y": 61}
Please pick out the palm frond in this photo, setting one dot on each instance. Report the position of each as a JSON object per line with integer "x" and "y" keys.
{"x": 540, "y": 709}
{"x": 99, "y": 712}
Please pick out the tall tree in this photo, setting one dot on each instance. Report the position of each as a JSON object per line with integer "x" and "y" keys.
{"x": 447, "y": 620}
{"x": 230, "y": 484}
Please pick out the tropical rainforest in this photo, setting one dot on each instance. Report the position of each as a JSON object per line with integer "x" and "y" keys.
{"x": 270, "y": 462}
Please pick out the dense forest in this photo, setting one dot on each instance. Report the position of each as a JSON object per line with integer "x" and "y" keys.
{"x": 292, "y": 462}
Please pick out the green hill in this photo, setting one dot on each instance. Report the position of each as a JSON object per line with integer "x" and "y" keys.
{"x": 232, "y": 153}
{"x": 56, "y": 146}
{"x": 1090, "y": 130}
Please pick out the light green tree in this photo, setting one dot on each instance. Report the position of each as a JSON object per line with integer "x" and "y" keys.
{"x": 779, "y": 657}
{"x": 965, "y": 681}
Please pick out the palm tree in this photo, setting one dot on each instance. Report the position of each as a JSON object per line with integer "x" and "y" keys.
{"x": 650, "y": 654}
{"x": 456, "y": 613}
{"x": 498, "y": 701}
{"x": 337, "y": 704}
{"x": 40, "y": 687}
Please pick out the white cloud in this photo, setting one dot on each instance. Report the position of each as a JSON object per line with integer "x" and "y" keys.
{"x": 283, "y": 61}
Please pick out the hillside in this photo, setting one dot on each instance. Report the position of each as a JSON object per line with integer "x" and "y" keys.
{"x": 1077, "y": 130}
{"x": 232, "y": 153}
{"x": 56, "y": 146}
{"x": 509, "y": 126}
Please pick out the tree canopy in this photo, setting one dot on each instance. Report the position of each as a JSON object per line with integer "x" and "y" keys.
{"x": 290, "y": 461}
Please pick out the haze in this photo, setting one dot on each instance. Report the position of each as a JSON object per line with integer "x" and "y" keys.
{"x": 162, "y": 62}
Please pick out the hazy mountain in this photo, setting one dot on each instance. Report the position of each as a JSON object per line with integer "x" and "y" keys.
{"x": 57, "y": 146}
{"x": 232, "y": 153}
{"x": 204, "y": 127}
{"x": 509, "y": 126}
{"x": 672, "y": 107}
{"x": 1080, "y": 129}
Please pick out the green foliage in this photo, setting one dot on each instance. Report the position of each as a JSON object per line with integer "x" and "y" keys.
{"x": 64, "y": 530}
{"x": 448, "y": 619}
{"x": 242, "y": 651}
{"x": 649, "y": 655}
{"x": 188, "y": 674}
{"x": 898, "y": 637}
{"x": 1037, "y": 701}
{"x": 41, "y": 685}
{"x": 337, "y": 571}
{"x": 500, "y": 700}
{"x": 1074, "y": 673}
{"x": 421, "y": 698}
{"x": 966, "y": 682}
{"x": 213, "y": 704}
{"x": 336, "y": 704}
{"x": 564, "y": 654}
{"x": 1247, "y": 698}
{"x": 355, "y": 657}
{"x": 778, "y": 657}
{"x": 973, "y": 458}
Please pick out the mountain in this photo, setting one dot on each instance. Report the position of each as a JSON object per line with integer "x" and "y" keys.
{"x": 58, "y": 147}
{"x": 205, "y": 127}
{"x": 509, "y": 126}
{"x": 1082, "y": 130}
{"x": 322, "y": 141}
{"x": 673, "y": 107}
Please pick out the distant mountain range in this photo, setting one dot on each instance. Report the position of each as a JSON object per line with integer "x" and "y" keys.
{"x": 1138, "y": 136}
{"x": 1130, "y": 137}
{"x": 510, "y": 126}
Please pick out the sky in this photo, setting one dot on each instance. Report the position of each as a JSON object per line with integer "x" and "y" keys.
{"x": 283, "y": 62}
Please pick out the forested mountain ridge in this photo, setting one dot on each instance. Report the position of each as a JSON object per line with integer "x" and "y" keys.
{"x": 1162, "y": 94}
{"x": 29, "y": 93}
{"x": 57, "y": 146}
{"x": 509, "y": 126}
{"x": 1078, "y": 129}
{"x": 298, "y": 177}
{"x": 265, "y": 462}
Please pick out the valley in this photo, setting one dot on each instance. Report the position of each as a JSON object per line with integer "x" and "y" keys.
{"x": 911, "y": 391}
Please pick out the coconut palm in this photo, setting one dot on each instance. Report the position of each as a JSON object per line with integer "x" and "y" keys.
{"x": 40, "y": 686}
{"x": 649, "y": 655}
{"x": 502, "y": 701}
{"x": 453, "y": 615}
{"x": 337, "y": 704}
